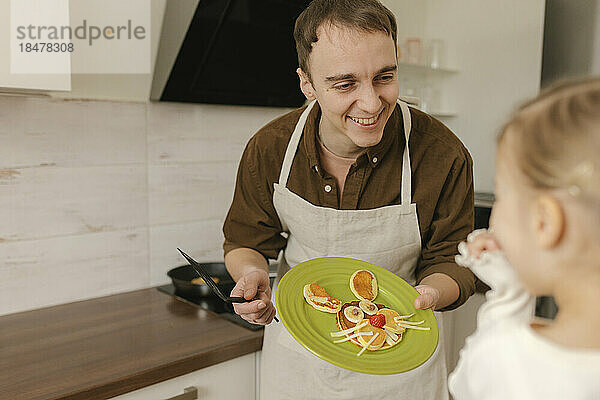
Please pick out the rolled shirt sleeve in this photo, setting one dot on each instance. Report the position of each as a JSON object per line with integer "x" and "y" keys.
{"x": 252, "y": 221}
{"x": 453, "y": 220}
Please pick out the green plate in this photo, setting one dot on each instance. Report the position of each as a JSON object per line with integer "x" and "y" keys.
{"x": 311, "y": 328}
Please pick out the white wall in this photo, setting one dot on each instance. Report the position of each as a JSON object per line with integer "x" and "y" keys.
{"x": 96, "y": 196}
{"x": 496, "y": 46}
{"x": 411, "y": 17}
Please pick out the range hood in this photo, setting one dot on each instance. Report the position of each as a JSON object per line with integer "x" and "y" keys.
{"x": 229, "y": 52}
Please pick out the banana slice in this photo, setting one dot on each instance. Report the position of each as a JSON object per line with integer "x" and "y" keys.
{"x": 354, "y": 314}
{"x": 368, "y": 307}
{"x": 391, "y": 338}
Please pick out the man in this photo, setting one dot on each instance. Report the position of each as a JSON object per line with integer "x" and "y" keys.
{"x": 393, "y": 182}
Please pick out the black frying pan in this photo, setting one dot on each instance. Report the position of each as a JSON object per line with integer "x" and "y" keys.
{"x": 182, "y": 280}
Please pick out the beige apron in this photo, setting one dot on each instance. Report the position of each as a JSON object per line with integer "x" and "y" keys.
{"x": 387, "y": 236}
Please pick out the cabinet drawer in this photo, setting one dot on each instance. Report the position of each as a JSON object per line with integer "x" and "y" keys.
{"x": 233, "y": 379}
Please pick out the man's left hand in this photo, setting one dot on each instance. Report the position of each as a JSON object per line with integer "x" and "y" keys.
{"x": 437, "y": 291}
{"x": 429, "y": 297}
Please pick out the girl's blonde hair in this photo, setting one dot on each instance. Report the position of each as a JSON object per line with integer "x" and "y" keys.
{"x": 555, "y": 138}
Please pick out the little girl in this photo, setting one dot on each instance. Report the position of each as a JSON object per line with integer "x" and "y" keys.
{"x": 544, "y": 240}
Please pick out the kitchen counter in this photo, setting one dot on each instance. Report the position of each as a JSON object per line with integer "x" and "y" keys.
{"x": 104, "y": 347}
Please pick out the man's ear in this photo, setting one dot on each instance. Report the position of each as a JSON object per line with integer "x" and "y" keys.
{"x": 305, "y": 85}
{"x": 548, "y": 221}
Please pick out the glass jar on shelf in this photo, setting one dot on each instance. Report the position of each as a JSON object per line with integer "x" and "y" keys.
{"x": 436, "y": 54}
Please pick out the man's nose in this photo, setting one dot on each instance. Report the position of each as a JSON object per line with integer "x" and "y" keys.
{"x": 368, "y": 99}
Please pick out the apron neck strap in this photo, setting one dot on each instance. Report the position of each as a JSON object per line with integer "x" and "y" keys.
{"x": 406, "y": 172}
{"x": 292, "y": 147}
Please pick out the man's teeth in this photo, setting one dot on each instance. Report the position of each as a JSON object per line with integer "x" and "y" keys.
{"x": 364, "y": 121}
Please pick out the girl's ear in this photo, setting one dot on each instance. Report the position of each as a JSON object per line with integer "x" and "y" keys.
{"x": 305, "y": 85}
{"x": 548, "y": 221}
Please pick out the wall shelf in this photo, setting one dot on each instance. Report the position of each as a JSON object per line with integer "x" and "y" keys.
{"x": 442, "y": 114}
{"x": 427, "y": 88}
{"x": 425, "y": 68}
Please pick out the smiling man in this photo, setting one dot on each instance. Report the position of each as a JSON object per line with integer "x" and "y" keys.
{"x": 354, "y": 79}
{"x": 358, "y": 174}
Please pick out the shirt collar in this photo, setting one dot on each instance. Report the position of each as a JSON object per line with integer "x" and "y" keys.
{"x": 373, "y": 155}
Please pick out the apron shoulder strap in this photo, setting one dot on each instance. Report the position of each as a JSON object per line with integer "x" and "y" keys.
{"x": 406, "y": 172}
{"x": 293, "y": 145}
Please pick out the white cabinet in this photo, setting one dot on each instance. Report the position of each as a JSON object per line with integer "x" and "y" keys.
{"x": 233, "y": 379}
{"x": 29, "y": 81}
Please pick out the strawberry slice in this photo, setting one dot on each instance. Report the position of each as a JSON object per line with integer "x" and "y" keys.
{"x": 377, "y": 320}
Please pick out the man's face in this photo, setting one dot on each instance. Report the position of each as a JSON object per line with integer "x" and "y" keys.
{"x": 354, "y": 79}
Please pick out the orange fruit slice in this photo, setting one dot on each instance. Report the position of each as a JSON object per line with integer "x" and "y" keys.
{"x": 390, "y": 322}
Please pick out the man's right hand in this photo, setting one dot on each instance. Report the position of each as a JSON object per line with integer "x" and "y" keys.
{"x": 254, "y": 284}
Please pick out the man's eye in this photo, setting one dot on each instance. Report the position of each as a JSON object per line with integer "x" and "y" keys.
{"x": 385, "y": 78}
{"x": 344, "y": 86}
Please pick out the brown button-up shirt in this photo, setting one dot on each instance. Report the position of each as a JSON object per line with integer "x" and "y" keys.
{"x": 442, "y": 188}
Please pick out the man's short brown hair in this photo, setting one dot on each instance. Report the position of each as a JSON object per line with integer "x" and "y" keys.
{"x": 366, "y": 15}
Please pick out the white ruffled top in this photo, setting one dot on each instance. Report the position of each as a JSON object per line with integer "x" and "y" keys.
{"x": 505, "y": 358}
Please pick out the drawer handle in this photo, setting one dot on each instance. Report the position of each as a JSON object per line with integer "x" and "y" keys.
{"x": 189, "y": 393}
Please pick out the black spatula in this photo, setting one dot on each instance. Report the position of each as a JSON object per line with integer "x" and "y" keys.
{"x": 209, "y": 281}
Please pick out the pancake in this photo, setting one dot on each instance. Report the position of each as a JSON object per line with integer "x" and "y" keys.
{"x": 363, "y": 285}
{"x": 315, "y": 290}
{"x": 379, "y": 340}
{"x": 318, "y": 297}
{"x": 344, "y": 323}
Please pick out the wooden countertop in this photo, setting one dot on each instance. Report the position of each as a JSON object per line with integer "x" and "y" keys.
{"x": 104, "y": 347}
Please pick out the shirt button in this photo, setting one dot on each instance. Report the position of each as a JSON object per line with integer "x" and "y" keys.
{"x": 327, "y": 188}
{"x": 374, "y": 159}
